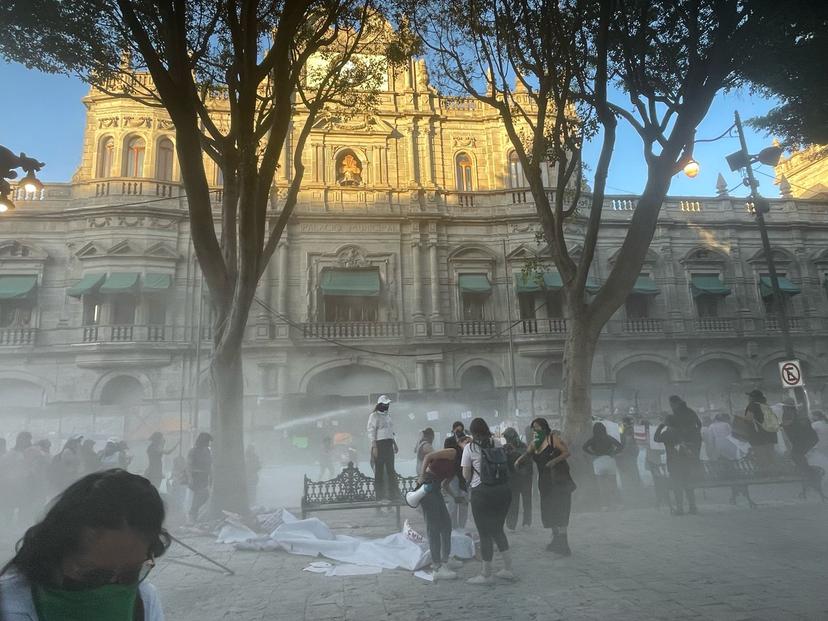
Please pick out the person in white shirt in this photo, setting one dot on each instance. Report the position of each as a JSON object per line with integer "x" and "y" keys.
{"x": 383, "y": 449}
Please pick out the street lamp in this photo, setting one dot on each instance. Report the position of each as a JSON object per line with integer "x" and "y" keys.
{"x": 770, "y": 157}
{"x": 8, "y": 163}
{"x": 691, "y": 168}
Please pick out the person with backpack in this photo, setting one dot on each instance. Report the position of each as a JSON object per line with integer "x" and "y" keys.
{"x": 763, "y": 426}
{"x": 520, "y": 480}
{"x": 555, "y": 483}
{"x": 485, "y": 467}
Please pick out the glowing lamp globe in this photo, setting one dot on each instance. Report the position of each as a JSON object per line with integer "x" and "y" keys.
{"x": 31, "y": 183}
{"x": 692, "y": 168}
{"x": 5, "y": 204}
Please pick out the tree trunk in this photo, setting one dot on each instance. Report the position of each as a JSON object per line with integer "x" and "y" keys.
{"x": 579, "y": 351}
{"x": 227, "y": 418}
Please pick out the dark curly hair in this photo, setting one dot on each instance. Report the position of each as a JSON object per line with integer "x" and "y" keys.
{"x": 112, "y": 499}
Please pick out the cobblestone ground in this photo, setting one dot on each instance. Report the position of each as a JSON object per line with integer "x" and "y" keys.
{"x": 726, "y": 563}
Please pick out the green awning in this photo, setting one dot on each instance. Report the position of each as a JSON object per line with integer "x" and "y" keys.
{"x": 88, "y": 284}
{"x": 16, "y": 287}
{"x": 785, "y": 285}
{"x": 356, "y": 283}
{"x": 552, "y": 280}
{"x": 120, "y": 282}
{"x": 644, "y": 285}
{"x": 474, "y": 283}
{"x": 708, "y": 284}
{"x": 527, "y": 283}
{"x": 157, "y": 282}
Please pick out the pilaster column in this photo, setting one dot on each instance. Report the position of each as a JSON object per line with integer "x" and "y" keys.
{"x": 281, "y": 379}
{"x": 438, "y": 375}
{"x": 282, "y": 300}
{"x": 421, "y": 375}
{"x": 425, "y": 136}
{"x": 412, "y": 156}
{"x": 417, "y": 285}
{"x": 434, "y": 266}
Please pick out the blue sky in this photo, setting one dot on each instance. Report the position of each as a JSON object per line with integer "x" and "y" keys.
{"x": 43, "y": 115}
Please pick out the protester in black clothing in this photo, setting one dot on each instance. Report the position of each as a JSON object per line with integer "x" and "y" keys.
{"x": 520, "y": 480}
{"x": 681, "y": 437}
{"x": 200, "y": 473}
{"x": 555, "y": 484}
{"x": 89, "y": 458}
{"x": 603, "y": 448}
{"x": 802, "y": 438}
{"x": 155, "y": 458}
{"x": 627, "y": 459}
{"x": 458, "y": 429}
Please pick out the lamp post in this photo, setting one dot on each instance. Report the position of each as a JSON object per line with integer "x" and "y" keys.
{"x": 770, "y": 156}
{"x": 8, "y": 163}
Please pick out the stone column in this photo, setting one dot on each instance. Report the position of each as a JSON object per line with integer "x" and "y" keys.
{"x": 438, "y": 375}
{"x": 434, "y": 267}
{"x": 425, "y": 135}
{"x": 417, "y": 285}
{"x": 421, "y": 375}
{"x": 282, "y": 298}
{"x": 412, "y": 156}
{"x": 281, "y": 379}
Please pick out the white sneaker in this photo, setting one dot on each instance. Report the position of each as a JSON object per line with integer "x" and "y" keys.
{"x": 481, "y": 580}
{"x": 444, "y": 573}
{"x": 506, "y": 574}
{"x": 454, "y": 563}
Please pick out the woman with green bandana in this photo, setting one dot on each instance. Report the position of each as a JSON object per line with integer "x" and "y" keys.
{"x": 88, "y": 558}
{"x": 554, "y": 482}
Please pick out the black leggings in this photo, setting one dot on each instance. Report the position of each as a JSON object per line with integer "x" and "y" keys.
{"x": 438, "y": 524}
{"x": 490, "y": 504}
{"x": 385, "y": 477}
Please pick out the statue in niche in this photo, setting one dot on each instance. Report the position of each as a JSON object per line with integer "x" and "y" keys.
{"x": 350, "y": 170}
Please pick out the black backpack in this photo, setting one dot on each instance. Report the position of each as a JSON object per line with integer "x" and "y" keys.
{"x": 494, "y": 465}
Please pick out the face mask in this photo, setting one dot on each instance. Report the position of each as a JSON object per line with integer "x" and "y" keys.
{"x": 382, "y": 407}
{"x": 107, "y": 603}
{"x": 539, "y": 438}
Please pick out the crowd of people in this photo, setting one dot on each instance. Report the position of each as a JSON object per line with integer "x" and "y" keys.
{"x": 494, "y": 474}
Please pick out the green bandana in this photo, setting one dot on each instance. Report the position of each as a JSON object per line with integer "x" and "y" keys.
{"x": 114, "y": 602}
{"x": 539, "y": 438}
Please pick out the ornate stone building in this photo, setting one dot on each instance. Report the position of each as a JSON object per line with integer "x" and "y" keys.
{"x": 398, "y": 274}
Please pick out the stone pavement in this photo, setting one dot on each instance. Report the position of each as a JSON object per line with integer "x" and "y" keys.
{"x": 727, "y": 563}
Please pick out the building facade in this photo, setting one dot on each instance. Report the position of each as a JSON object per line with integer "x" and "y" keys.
{"x": 400, "y": 273}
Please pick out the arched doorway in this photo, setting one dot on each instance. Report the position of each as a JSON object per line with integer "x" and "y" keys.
{"x": 715, "y": 387}
{"x": 643, "y": 387}
{"x": 477, "y": 388}
{"x": 118, "y": 411}
{"x": 21, "y": 401}
{"x": 353, "y": 380}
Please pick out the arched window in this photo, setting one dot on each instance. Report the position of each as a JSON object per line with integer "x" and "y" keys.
{"x": 348, "y": 169}
{"x": 465, "y": 172}
{"x": 516, "y": 178}
{"x": 164, "y": 160}
{"x": 134, "y": 157}
{"x": 106, "y": 155}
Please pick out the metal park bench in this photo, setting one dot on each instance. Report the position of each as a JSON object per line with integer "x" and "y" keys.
{"x": 739, "y": 475}
{"x": 350, "y": 489}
